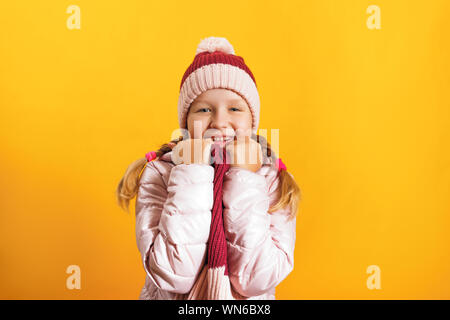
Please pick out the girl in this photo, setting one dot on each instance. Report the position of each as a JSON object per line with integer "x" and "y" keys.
{"x": 190, "y": 248}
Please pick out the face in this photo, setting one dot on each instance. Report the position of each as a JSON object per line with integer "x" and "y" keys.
{"x": 219, "y": 112}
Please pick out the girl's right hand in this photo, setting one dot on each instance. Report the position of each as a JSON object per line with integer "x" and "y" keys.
{"x": 192, "y": 151}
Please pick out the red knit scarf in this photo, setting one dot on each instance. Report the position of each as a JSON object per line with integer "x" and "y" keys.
{"x": 217, "y": 244}
{"x": 213, "y": 282}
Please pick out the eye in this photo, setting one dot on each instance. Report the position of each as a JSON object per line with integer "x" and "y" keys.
{"x": 200, "y": 110}
{"x": 237, "y": 109}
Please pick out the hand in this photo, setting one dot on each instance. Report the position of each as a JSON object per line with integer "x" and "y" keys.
{"x": 245, "y": 153}
{"x": 192, "y": 151}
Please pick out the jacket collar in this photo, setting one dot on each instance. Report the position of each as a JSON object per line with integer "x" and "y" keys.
{"x": 167, "y": 157}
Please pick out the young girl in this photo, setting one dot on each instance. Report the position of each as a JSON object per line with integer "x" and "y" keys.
{"x": 208, "y": 229}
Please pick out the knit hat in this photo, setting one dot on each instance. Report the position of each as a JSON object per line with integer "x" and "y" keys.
{"x": 216, "y": 66}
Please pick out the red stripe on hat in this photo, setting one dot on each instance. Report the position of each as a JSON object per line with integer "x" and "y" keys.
{"x": 206, "y": 58}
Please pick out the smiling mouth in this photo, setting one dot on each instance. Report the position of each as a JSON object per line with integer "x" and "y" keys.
{"x": 222, "y": 139}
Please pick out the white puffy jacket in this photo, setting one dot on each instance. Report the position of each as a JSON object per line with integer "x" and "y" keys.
{"x": 173, "y": 216}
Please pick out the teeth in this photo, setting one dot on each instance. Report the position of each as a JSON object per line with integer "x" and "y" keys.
{"x": 221, "y": 139}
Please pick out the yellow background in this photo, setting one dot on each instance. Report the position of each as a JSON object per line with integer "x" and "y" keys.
{"x": 363, "y": 118}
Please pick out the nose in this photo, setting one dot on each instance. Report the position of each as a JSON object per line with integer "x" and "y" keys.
{"x": 220, "y": 119}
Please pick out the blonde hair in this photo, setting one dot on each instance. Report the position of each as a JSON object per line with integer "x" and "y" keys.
{"x": 288, "y": 192}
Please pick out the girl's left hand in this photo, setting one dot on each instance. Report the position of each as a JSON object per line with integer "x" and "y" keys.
{"x": 245, "y": 153}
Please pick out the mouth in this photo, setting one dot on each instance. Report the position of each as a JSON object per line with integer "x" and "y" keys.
{"x": 222, "y": 139}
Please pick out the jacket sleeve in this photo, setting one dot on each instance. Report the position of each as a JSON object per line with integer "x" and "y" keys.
{"x": 260, "y": 244}
{"x": 173, "y": 223}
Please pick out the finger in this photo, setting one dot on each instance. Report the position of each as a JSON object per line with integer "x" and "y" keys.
{"x": 255, "y": 153}
{"x": 177, "y": 154}
{"x": 236, "y": 150}
{"x": 246, "y": 151}
{"x": 207, "y": 145}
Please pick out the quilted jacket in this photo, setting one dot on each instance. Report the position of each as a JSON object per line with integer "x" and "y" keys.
{"x": 173, "y": 216}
